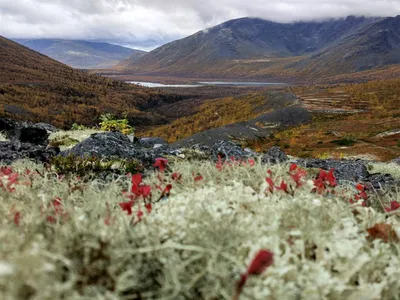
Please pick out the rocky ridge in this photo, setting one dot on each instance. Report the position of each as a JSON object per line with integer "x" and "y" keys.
{"x": 114, "y": 145}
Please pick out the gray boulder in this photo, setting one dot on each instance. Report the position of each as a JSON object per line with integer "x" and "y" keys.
{"x": 104, "y": 145}
{"x": 25, "y": 132}
{"x": 116, "y": 145}
{"x": 274, "y": 156}
{"x": 14, "y": 150}
{"x": 227, "y": 150}
{"x": 48, "y": 127}
{"x": 379, "y": 180}
{"x": 344, "y": 169}
{"x": 152, "y": 142}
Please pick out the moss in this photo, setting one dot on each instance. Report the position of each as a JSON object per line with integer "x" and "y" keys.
{"x": 90, "y": 167}
{"x": 63, "y": 141}
{"x": 195, "y": 243}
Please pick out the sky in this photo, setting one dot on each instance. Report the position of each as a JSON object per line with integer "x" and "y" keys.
{"x": 146, "y": 24}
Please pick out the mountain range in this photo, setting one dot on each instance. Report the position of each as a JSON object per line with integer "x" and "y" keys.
{"x": 255, "y": 48}
{"x": 82, "y": 54}
{"x": 37, "y": 88}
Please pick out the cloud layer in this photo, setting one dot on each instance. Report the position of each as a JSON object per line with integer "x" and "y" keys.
{"x": 148, "y": 23}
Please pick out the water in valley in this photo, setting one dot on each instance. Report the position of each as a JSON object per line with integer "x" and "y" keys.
{"x": 204, "y": 83}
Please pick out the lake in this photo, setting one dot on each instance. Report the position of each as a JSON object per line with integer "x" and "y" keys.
{"x": 204, "y": 83}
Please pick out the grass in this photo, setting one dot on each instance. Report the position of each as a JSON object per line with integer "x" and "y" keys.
{"x": 68, "y": 139}
{"x": 2, "y": 137}
{"x": 196, "y": 241}
{"x": 386, "y": 168}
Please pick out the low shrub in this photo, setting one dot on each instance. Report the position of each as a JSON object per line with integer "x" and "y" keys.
{"x": 90, "y": 167}
{"x": 111, "y": 123}
{"x": 347, "y": 141}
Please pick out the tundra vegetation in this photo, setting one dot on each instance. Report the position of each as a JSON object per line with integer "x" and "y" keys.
{"x": 197, "y": 230}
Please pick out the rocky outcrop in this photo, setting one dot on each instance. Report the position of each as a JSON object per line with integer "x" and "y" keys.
{"x": 26, "y": 140}
{"x": 253, "y": 130}
{"x": 116, "y": 145}
{"x": 151, "y": 142}
{"x": 26, "y": 132}
{"x": 350, "y": 171}
{"x": 14, "y": 150}
{"x": 274, "y": 156}
{"x": 227, "y": 150}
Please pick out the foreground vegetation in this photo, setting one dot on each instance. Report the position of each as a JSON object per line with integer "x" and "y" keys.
{"x": 190, "y": 231}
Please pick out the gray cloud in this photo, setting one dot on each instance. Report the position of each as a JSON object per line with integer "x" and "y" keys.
{"x": 148, "y": 23}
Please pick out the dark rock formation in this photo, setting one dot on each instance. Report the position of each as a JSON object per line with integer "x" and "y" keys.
{"x": 344, "y": 169}
{"x": 116, "y": 145}
{"x": 26, "y": 132}
{"x": 13, "y": 150}
{"x": 227, "y": 150}
{"x": 151, "y": 142}
{"x": 273, "y": 156}
{"x": 352, "y": 171}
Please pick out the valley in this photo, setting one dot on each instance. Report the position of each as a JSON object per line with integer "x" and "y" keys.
{"x": 253, "y": 159}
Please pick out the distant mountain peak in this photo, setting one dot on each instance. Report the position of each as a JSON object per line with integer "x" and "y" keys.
{"x": 81, "y": 54}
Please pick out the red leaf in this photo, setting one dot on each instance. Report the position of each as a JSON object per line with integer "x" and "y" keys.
{"x": 176, "y": 176}
{"x": 394, "y": 205}
{"x": 17, "y": 218}
{"x": 252, "y": 162}
{"x": 161, "y": 164}
{"x": 293, "y": 167}
{"x": 149, "y": 207}
{"x": 360, "y": 187}
{"x": 270, "y": 183}
{"x": 127, "y": 206}
{"x": 198, "y": 178}
{"x": 283, "y": 187}
{"x": 261, "y": 262}
{"x": 145, "y": 191}
{"x": 136, "y": 179}
{"x": 167, "y": 189}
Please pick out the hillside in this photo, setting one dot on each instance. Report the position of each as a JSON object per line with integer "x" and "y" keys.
{"x": 254, "y": 48}
{"x": 81, "y": 54}
{"x": 35, "y": 87}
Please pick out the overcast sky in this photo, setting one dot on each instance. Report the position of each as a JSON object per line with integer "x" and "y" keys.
{"x": 149, "y": 23}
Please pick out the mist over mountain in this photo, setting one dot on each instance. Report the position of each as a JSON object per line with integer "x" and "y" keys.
{"x": 251, "y": 47}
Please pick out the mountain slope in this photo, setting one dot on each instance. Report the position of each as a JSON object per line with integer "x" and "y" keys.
{"x": 245, "y": 39}
{"x": 81, "y": 54}
{"x": 36, "y": 87}
{"x": 377, "y": 45}
{"x": 258, "y": 49}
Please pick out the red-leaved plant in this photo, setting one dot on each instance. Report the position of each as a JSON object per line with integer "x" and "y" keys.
{"x": 262, "y": 260}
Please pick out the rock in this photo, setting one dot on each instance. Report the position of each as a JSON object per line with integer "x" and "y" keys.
{"x": 150, "y": 142}
{"x": 49, "y": 128}
{"x": 33, "y": 135}
{"x": 354, "y": 171}
{"x": 104, "y": 145}
{"x": 13, "y": 150}
{"x": 396, "y": 161}
{"x": 227, "y": 150}
{"x": 8, "y": 127}
{"x": 116, "y": 145}
{"x": 26, "y": 132}
{"x": 377, "y": 181}
{"x": 274, "y": 156}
